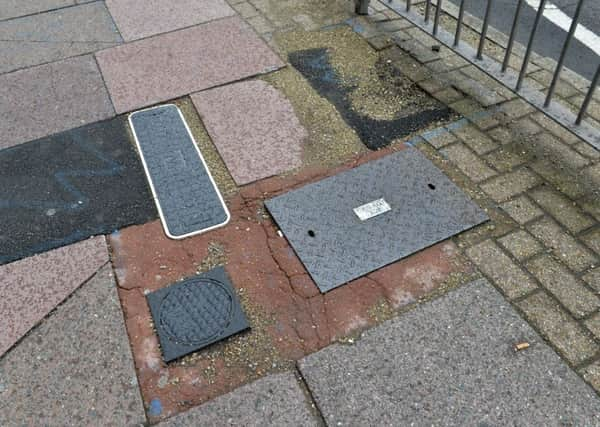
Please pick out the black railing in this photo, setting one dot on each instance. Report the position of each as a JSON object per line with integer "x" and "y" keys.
{"x": 501, "y": 72}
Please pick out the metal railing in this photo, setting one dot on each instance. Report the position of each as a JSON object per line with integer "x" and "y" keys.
{"x": 501, "y": 72}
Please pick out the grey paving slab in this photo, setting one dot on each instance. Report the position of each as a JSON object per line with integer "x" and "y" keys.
{"x": 255, "y": 143}
{"x": 137, "y": 19}
{"x": 322, "y": 223}
{"x": 276, "y": 400}
{"x": 32, "y": 287}
{"x": 50, "y": 98}
{"x": 55, "y": 35}
{"x": 16, "y": 8}
{"x": 76, "y": 367}
{"x": 167, "y": 66}
{"x": 196, "y": 312}
{"x": 450, "y": 362}
{"x": 69, "y": 186}
{"x": 185, "y": 193}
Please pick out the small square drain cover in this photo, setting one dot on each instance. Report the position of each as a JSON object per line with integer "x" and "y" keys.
{"x": 351, "y": 224}
{"x": 195, "y": 313}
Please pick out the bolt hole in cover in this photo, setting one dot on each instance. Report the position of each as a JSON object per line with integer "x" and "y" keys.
{"x": 431, "y": 186}
{"x": 311, "y": 233}
{"x": 195, "y": 313}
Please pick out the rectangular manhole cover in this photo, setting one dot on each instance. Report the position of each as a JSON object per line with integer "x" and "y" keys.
{"x": 195, "y": 313}
{"x": 351, "y": 224}
{"x": 186, "y": 195}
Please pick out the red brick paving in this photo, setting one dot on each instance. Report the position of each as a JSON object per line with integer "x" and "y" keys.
{"x": 284, "y": 304}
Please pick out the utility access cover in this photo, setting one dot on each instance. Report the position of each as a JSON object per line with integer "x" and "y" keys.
{"x": 195, "y": 313}
{"x": 186, "y": 195}
{"x": 353, "y": 223}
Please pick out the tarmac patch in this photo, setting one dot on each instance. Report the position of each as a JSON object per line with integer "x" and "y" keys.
{"x": 69, "y": 186}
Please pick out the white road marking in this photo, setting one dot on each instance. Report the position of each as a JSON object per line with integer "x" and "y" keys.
{"x": 562, "y": 20}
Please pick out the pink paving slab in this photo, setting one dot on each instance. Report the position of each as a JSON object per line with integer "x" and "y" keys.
{"x": 33, "y": 287}
{"x": 254, "y": 127}
{"x": 39, "y": 101}
{"x": 137, "y": 19}
{"x": 171, "y": 65}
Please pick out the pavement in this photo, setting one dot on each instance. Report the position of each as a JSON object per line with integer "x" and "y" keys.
{"x": 494, "y": 325}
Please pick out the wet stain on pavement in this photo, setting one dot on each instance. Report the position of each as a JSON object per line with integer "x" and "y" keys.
{"x": 315, "y": 65}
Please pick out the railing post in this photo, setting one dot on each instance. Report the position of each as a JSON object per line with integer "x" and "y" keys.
{"x": 538, "y": 18}
{"x": 484, "y": 29}
{"x": 513, "y": 33}
{"x": 588, "y": 97}
{"x": 361, "y": 7}
{"x": 563, "y": 53}
{"x": 436, "y": 18}
{"x": 461, "y": 14}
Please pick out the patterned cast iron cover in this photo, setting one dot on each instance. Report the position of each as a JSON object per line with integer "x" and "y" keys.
{"x": 186, "y": 195}
{"x": 351, "y": 224}
{"x": 195, "y": 313}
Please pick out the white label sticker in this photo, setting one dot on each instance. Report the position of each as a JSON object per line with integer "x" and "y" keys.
{"x": 372, "y": 209}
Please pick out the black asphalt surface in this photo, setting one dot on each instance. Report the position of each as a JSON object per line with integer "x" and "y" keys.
{"x": 549, "y": 38}
{"x": 70, "y": 186}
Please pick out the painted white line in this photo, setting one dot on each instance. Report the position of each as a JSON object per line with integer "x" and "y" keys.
{"x": 562, "y": 20}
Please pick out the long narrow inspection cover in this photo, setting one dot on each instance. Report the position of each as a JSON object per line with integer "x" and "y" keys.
{"x": 185, "y": 193}
{"x": 353, "y": 223}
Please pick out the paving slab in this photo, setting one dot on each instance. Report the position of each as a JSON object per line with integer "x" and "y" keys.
{"x": 276, "y": 400}
{"x": 46, "y": 99}
{"x": 15, "y": 8}
{"x": 76, "y": 367}
{"x": 32, "y": 287}
{"x": 67, "y": 187}
{"x": 171, "y": 65}
{"x": 137, "y": 19}
{"x": 351, "y": 224}
{"x": 450, "y": 362}
{"x": 255, "y": 143}
{"x": 185, "y": 192}
{"x": 55, "y": 35}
